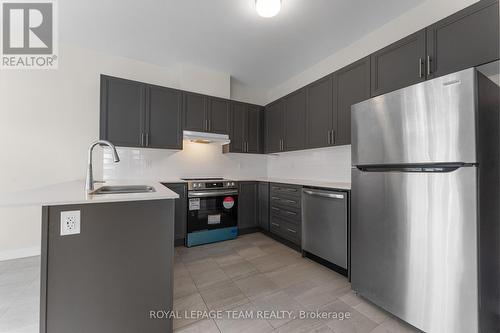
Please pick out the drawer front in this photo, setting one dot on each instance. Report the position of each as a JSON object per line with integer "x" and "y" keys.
{"x": 275, "y": 226}
{"x": 279, "y": 200}
{"x": 292, "y": 215}
{"x": 291, "y": 232}
{"x": 286, "y": 189}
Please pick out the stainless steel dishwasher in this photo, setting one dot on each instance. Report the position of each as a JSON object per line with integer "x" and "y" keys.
{"x": 324, "y": 225}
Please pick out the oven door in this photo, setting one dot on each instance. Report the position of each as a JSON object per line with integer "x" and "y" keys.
{"x": 213, "y": 209}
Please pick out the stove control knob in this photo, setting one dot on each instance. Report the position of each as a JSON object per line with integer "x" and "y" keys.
{"x": 232, "y": 183}
{"x": 195, "y": 185}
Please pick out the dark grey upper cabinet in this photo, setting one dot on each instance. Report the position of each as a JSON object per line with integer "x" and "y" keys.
{"x": 238, "y": 127}
{"x": 247, "y": 205}
{"x": 164, "y": 118}
{"x": 295, "y": 121}
{"x": 246, "y": 128}
{"x": 263, "y": 218}
{"x": 466, "y": 39}
{"x": 195, "y": 112}
{"x": 398, "y": 65}
{"x": 123, "y": 109}
{"x": 254, "y": 129}
{"x": 218, "y": 116}
{"x": 353, "y": 86}
{"x": 321, "y": 113}
{"x": 274, "y": 126}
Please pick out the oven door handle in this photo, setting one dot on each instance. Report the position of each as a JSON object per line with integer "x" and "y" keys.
{"x": 211, "y": 194}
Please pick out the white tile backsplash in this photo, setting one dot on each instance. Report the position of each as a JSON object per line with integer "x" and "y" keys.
{"x": 202, "y": 160}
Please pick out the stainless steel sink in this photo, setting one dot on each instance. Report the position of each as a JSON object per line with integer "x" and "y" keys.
{"x": 124, "y": 189}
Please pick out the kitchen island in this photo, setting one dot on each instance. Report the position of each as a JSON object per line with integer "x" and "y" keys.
{"x": 106, "y": 260}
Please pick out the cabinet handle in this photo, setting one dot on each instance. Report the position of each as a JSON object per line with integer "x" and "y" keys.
{"x": 276, "y": 198}
{"x": 292, "y": 231}
{"x": 333, "y": 137}
{"x": 206, "y": 124}
{"x": 246, "y": 146}
{"x": 291, "y": 213}
{"x": 420, "y": 69}
{"x": 274, "y": 208}
{"x": 147, "y": 139}
{"x": 142, "y": 139}
{"x": 275, "y": 224}
{"x": 429, "y": 72}
{"x": 289, "y": 201}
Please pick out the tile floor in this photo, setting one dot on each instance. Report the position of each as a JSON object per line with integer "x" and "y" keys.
{"x": 256, "y": 273}
{"x": 252, "y": 273}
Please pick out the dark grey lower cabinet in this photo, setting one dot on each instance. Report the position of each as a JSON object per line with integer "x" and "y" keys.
{"x": 264, "y": 206}
{"x": 180, "y": 211}
{"x": 113, "y": 273}
{"x": 247, "y": 205}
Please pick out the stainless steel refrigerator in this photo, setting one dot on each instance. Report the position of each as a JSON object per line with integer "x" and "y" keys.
{"x": 425, "y": 203}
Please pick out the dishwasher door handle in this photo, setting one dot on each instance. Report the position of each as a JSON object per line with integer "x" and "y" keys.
{"x": 325, "y": 195}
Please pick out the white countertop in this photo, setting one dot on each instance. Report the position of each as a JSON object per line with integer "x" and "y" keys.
{"x": 303, "y": 182}
{"x": 69, "y": 193}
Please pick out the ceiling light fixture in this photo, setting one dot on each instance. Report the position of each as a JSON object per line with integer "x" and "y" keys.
{"x": 268, "y": 8}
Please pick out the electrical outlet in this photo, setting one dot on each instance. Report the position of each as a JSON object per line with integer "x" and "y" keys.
{"x": 70, "y": 222}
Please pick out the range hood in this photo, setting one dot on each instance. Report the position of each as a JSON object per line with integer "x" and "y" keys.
{"x": 204, "y": 137}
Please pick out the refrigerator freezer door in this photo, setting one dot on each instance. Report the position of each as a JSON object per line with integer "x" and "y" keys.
{"x": 414, "y": 246}
{"x": 430, "y": 122}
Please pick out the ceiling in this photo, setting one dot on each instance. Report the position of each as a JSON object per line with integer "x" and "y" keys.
{"x": 225, "y": 35}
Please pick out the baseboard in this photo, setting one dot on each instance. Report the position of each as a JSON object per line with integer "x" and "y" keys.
{"x": 19, "y": 253}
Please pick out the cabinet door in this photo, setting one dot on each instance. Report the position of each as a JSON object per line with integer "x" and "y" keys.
{"x": 398, "y": 65}
{"x": 320, "y": 121}
{"x": 353, "y": 86}
{"x": 274, "y": 126}
{"x": 466, "y": 39}
{"x": 122, "y": 118}
{"x": 164, "y": 118}
{"x": 254, "y": 129}
{"x": 180, "y": 211}
{"x": 247, "y": 205}
{"x": 195, "y": 115}
{"x": 295, "y": 121}
{"x": 238, "y": 127}
{"x": 219, "y": 115}
{"x": 264, "y": 206}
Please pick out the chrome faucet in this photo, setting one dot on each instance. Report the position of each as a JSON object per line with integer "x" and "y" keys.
{"x": 89, "y": 182}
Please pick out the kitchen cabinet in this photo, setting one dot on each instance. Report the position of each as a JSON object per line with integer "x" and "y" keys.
{"x": 123, "y": 109}
{"x": 195, "y": 112}
{"x": 353, "y": 86}
{"x": 399, "y": 65}
{"x": 321, "y": 112}
{"x": 466, "y": 39}
{"x": 294, "y": 128}
{"x": 246, "y": 128}
{"x": 285, "y": 211}
{"x": 247, "y": 205}
{"x": 263, "y": 218}
{"x": 163, "y": 118}
{"x": 135, "y": 114}
{"x": 254, "y": 132}
{"x": 180, "y": 211}
{"x": 205, "y": 113}
{"x": 274, "y": 126}
{"x": 218, "y": 115}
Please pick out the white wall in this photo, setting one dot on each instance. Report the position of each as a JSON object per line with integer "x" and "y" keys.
{"x": 195, "y": 160}
{"x": 49, "y": 118}
{"x": 415, "y": 19}
{"x": 327, "y": 164}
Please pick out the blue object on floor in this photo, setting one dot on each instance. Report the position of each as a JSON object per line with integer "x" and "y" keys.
{"x": 211, "y": 236}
